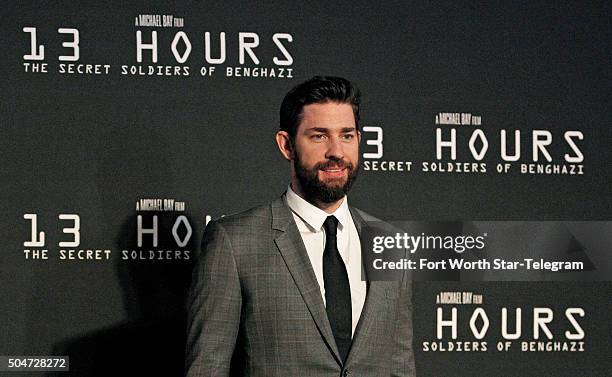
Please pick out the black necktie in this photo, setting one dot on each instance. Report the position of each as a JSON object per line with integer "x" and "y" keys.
{"x": 337, "y": 290}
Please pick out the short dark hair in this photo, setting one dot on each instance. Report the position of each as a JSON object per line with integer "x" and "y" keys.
{"x": 319, "y": 89}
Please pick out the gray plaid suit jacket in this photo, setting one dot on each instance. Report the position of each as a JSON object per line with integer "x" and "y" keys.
{"x": 255, "y": 307}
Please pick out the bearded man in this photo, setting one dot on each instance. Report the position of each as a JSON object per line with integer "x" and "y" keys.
{"x": 278, "y": 290}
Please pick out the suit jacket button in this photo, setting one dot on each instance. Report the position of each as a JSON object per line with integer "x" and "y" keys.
{"x": 346, "y": 373}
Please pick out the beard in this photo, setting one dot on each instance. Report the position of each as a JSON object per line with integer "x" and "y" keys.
{"x": 317, "y": 190}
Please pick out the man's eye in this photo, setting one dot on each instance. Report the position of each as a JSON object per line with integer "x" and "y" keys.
{"x": 348, "y": 136}
{"x": 317, "y": 137}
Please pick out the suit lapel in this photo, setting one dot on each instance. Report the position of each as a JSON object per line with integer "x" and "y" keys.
{"x": 293, "y": 251}
{"x": 373, "y": 300}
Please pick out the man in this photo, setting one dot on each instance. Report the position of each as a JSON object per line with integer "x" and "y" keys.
{"x": 277, "y": 290}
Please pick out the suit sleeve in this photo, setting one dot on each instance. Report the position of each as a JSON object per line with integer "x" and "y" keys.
{"x": 403, "y": 357}
{"x": 213, "y": 307}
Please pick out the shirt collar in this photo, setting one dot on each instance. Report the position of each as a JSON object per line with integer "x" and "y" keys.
{"x": 313, "y": 216}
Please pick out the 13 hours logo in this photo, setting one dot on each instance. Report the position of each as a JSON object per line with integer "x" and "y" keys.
{"x": 373, "y": 157}
{"x": 69, "y": 248}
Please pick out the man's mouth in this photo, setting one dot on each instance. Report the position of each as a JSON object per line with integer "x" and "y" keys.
{"x": 333, "y": 172}
{"x": 333, "y": 169}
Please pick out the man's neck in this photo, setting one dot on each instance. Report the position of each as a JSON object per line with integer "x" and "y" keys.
{"x": 327, "y": 207}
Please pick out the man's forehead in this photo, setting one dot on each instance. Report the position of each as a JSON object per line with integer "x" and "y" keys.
{"x": 333, "y": 115}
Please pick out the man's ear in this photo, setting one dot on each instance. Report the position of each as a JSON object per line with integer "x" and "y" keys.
{"x": 283, "y": 141}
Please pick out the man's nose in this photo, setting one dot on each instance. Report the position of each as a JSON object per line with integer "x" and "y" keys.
{"x": 335, "y": 149}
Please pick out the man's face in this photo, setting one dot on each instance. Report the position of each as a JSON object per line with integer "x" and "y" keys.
{"x": 326, "y": 151}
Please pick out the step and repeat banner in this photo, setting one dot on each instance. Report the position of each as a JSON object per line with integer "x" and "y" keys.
{"x": 126, "y": 128}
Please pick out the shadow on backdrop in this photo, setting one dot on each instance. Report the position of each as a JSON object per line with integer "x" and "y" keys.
{"x": 151, "y": 341}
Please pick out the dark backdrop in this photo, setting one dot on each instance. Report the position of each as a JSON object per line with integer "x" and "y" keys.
{"x": 95, "y": 144}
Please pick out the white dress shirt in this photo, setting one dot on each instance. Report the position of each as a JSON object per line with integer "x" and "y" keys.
{"x": 309, "y": 220}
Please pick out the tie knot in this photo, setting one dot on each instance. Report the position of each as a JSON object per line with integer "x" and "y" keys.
{"x": 331, "y": 225}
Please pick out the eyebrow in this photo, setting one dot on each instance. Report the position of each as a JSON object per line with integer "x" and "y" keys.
{"x": 326, "y": 130}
